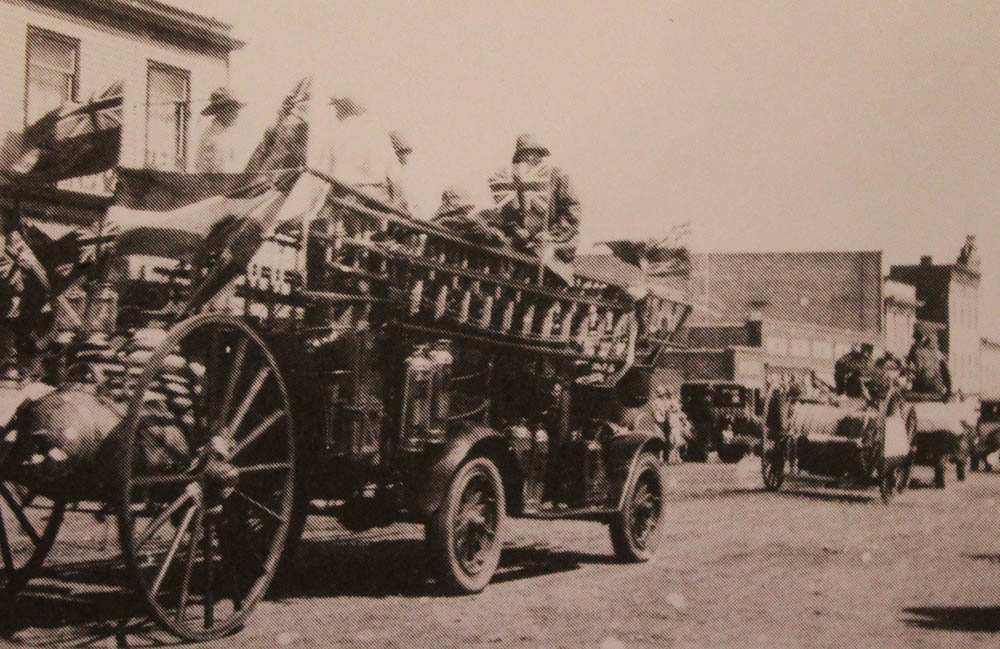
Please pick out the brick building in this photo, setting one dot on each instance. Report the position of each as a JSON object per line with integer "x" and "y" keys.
{"x": 989, "y": 362}
{"x": 169, "y": 61}
{"x": 949, "y": 297}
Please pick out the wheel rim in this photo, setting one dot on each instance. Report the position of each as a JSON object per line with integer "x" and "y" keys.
{"x": 475, "y": 524}
{"x": 28, "y": 527}
{"x": 645, "y": 510}
{"x": 206, "y": 477}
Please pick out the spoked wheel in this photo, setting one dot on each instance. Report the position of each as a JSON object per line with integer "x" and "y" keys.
{"x": 28, "y": 527}
{"x": 206, "y": 476}
{"x": 636, "y": 530}
{"x": 772, "y": 463}
{"x": 465, "y": 535}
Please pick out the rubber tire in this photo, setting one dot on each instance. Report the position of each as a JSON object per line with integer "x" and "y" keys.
{"x": 939, "y": 474}
{"x": 439, "y": 530}
{"x": 625, "y": 547}
{"x": 731, "y": 456}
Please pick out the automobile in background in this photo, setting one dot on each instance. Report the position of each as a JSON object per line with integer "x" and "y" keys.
{"x": 726, "y": 417}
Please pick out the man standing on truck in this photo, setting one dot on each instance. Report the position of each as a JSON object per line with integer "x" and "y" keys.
{"x": 217, "y": 147}
{"x": 928, "y": 367}
{"x": 537, "y": 206}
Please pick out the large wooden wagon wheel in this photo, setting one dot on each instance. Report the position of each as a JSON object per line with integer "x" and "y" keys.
{"x": 29, "y": 523}
{"x": 206, "y": 476}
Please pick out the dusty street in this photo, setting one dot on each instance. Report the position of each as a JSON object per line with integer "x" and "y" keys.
{"x": 808, "y": 567}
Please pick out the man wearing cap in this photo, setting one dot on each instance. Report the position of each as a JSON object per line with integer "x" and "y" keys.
{"x": 216, "y": 151}
{"x": 537, "y": 205}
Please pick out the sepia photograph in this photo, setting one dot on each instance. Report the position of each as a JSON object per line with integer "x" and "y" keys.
{"x": 552, "y": 324}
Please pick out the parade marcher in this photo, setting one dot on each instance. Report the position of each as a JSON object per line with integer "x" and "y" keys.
{"x": 928, "y": 367}
{"x": 537, "y": 205}
{"x": 217, "y": 147}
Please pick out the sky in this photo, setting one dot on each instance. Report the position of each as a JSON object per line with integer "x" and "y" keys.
{"x": 769, "y": 125}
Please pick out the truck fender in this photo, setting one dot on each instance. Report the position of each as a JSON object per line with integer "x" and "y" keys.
{"x": 469, "y": 439}
{"x": 623, "y": 456}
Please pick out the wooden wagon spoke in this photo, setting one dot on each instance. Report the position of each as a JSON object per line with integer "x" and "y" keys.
{"x": 164, "y": 516}
{"x": 169, "y": 478}
{"x": 208, "y": 597}
{"x": 248, "y": 400}
{"x": 234, "y": 376}
{"x": 262, "y": 507}
{"x": 271, "y": 466}
{"x": 174, "y": 546}
{"x": 18, "y": 512}
{"x": 258, "y": 430}
{"x": 192, "y": 552}
{"x": 8, "y": 557}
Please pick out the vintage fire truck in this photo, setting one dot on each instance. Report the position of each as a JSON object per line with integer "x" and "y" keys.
{"x": 386, "y": 364}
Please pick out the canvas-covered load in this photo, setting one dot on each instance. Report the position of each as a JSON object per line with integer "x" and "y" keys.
{"x": 943, "y": 416}
{"x": 822, "y": 421}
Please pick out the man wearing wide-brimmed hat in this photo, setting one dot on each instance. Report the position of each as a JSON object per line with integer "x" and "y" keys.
{"x": 360, "y": 154}
{"x": 538, "y": 207}
{"x": 216, "y": 151}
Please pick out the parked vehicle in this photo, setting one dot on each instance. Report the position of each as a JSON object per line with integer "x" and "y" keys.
{"x": 726, "y": 417}
{"x": 941, "y": 435}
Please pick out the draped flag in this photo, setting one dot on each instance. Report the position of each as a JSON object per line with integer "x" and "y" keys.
{"x": 76, "y": 139}
{"x": 523, "y": 187}
{"x": 284, "y": 143}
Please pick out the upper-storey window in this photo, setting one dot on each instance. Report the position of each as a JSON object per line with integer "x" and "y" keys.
{"x": 53, "y": 68}
{"x": 168, "y": 95}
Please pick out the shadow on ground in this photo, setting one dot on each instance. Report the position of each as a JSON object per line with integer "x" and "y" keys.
{"x": 982, "y": 619}
{"x": 88, "y": 604}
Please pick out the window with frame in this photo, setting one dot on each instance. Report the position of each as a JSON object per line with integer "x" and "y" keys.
{"x": 168, "y": 95}
{"x": 51, "y": 73}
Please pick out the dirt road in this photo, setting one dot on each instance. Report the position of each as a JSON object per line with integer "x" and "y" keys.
{"x": 807, "y": 567}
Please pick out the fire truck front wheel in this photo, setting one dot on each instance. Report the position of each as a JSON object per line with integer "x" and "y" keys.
{"x": 637, "y": 529}
{"x": 465, "y": 534}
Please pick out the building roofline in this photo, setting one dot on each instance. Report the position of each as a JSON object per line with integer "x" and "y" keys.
{"x": 166, "y": 17}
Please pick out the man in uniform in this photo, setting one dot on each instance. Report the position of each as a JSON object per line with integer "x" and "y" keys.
{"x": 216, "y": 151}
{"x": 928, "y": 367}
{"x": 537, "y": 205}
{"x": 853, "y": 370}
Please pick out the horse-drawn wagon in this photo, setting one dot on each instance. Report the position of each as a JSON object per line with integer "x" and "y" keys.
{"x": 323, "y": 346}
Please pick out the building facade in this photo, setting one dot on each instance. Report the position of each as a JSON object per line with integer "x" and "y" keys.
{"x": 168, "y": 60}
{"x": 989, "y": 363}
{"x": 899, "y": 316}
{"x": 949, "y": 307}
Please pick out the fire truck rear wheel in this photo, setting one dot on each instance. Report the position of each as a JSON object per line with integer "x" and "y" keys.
{"x": 465, "y": 536}
{"x": 637, "y": 529}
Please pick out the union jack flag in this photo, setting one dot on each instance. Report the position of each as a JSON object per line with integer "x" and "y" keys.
{"x": 523, "y": 187}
